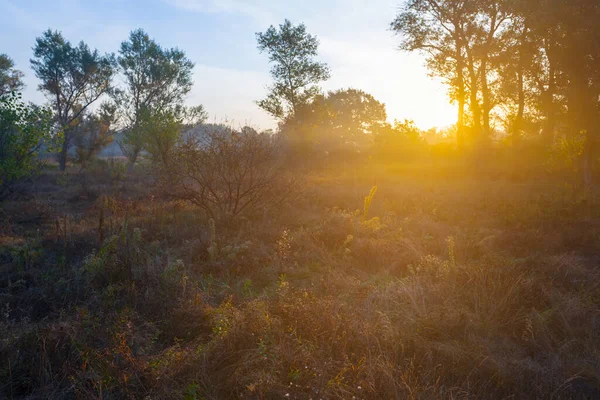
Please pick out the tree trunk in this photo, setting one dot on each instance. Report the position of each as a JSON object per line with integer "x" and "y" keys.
{"x": 550, "y": 122}
{"x": 518, "y": 126}
{"x": 475, "y": 110}
{"x": 460, "y": 124}
{"x": 473, "y": 101}
{"x": 485, "y": 90}
{"x": 485, "y": 94}
{"x": 131, "y": 165}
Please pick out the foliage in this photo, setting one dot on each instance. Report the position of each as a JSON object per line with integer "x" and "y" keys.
{"x": 528, "y": 66}
{"x": 565, "y": 154}
{"x": 11, "y": 79}
{"x": 73, "y": 78}
{"x": 194, "y": 115}
{"x": 25, "y": 132}
{"x": 295, "y": 73}
{"x": 157, "y": 81}
{"x": 161, "y": 134}
{"x": 344, "y": 120}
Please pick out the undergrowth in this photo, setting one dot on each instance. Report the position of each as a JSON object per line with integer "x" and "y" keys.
{"x": 424, "y": 290}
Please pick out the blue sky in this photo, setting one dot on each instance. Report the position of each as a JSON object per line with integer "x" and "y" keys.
{"x": 219, "y": 36}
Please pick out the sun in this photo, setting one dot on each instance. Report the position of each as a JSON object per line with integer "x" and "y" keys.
{"x": 413, "y": 94}
{"x": 428, "y": 110}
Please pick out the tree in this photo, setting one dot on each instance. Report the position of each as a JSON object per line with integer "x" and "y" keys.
{"x": 341, "y": 119}
{"x": 194, "y": 116}
{"x": 579, "y": 59}
{"x": 157, "y": 80}
{"x": 73, "y": 78}
{"x": 514, "y": 64}
{"x": 354, "y": 114}
{"x": 437, "y": 29}
{"x": 25, "y": 132}
{"x": 10, "y": 78}
{"x": 462, "y": 40}
{"x": 295, "y": 72}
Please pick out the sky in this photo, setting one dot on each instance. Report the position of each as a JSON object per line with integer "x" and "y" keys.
{"x": 219, "y": 36}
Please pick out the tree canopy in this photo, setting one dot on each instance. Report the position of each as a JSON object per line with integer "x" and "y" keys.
{"x": 295, "y": 72}
{"x": 73, "y": 78}
{"x": 10, "y": 78}
{"x": 157, "y": 81}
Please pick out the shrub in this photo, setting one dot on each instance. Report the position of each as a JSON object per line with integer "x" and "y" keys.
{"x": 117, "y": 170}
{"x": 161, "y": 134}
{"x": 25, "y": 131}
{"x": 226, "y": 173}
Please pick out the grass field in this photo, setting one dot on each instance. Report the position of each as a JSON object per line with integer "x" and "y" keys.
{"x": 440, "y": 286}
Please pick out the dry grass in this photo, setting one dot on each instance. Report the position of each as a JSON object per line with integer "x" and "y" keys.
{"x": 449, "y": 289}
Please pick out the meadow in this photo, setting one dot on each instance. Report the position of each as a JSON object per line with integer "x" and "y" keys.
{"x": 334, "y": 250}
{"x": 396, "y": 281}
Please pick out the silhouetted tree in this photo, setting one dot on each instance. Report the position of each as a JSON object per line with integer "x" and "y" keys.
{"x": 579, "y": 59}
{"x": 437, "y": 29}
{"x": 462, "y": 40}
{"x": 72, "y": 78}
{"x": 295, "y": 72}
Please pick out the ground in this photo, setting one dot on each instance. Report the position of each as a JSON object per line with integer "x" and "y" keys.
{"x": 445, "y": 286}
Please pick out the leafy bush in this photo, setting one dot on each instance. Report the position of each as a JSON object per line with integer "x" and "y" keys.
{"x": 25, "y": 131}
{"x": 161, "y": 134}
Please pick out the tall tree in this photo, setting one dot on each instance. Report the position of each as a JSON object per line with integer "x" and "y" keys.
{"x": 10, "y": 78}
{"x": 73, "y": 78}
{"x": 437, "y": 29}
{"x": 157, "y": 81}
{"x": 487, "y": 31}
{"x": 296, "y": 73}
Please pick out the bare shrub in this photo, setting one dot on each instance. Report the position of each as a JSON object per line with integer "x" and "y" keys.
{"x": 227, "y": 172}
